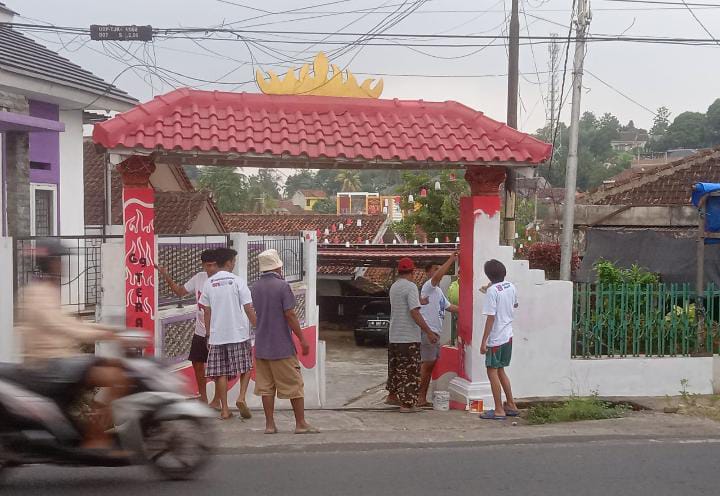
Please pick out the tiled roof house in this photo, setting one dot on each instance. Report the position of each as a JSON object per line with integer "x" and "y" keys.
{"x": 179, "y": 209}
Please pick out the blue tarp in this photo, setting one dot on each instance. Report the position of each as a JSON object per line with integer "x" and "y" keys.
{"x": 712, "y": 207}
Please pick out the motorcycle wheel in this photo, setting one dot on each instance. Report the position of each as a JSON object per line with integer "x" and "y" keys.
{"x": 177, "y": 449}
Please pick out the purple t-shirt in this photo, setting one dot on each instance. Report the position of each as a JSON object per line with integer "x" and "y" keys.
{"x": 272, "y": 296}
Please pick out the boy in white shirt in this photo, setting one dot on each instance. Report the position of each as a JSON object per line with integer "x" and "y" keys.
{"x": 500, "y": 304}
{"x": 228, "y": 316}
{"x": 199, "y": 347}
{"x": 434, "y": 305}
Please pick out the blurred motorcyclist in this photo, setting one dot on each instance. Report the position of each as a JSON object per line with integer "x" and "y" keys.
{"x": 52, "y": 343}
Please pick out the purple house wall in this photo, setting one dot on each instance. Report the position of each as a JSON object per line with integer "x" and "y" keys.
{"x": 45, "y": 152}
{"x": 45, "y": 147}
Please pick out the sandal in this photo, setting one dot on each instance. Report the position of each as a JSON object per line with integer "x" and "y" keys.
{"x": 511, "y": 412}
{"x": 490, "y": 415}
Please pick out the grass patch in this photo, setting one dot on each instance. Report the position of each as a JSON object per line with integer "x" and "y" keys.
{"x": 573, "y": 410}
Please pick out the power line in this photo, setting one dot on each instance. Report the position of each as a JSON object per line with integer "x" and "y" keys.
{"x": 621, "y": 93}
{"x": 699, "y": 21}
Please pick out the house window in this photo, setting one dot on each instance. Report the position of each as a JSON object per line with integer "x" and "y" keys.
{"x": 40, "y": 165}
{"x": 308, "y": 203}
{"x": 43, "y": 213}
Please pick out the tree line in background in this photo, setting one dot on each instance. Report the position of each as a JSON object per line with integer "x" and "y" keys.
{"x": 598, "y": 161}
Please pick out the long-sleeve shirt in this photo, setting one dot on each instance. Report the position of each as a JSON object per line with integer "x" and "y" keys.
{"x": 46, "y": 331}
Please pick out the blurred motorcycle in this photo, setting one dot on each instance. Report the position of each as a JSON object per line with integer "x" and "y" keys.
{"x": 154, "y": 425}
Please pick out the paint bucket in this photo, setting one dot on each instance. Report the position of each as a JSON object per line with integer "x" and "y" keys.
{"x": 476, "y": 406}
{"x": 441, "y": 401}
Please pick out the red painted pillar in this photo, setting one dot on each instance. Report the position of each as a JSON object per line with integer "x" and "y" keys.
{"x": 139, "y": 231}
{"x": 485, "y": 190}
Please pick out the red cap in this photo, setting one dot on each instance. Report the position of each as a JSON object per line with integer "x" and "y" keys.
{"x": 406, "y": 265}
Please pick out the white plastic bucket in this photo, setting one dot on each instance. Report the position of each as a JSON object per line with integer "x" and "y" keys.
{"x": 441, "y": 401}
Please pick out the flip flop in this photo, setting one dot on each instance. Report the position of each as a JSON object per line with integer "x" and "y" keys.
{"x": 490, "y": 415}
{"x": 511, "y": 412}
{"x": 412, "y": 409}
{"x": 308, "y": 430}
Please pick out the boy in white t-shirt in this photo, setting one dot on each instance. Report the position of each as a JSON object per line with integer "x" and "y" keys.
{"x": 500, "y": 304}
{"x": 228, "y": 316}
{"x": 434, "y": 305}
{"x": 199, "y": 347}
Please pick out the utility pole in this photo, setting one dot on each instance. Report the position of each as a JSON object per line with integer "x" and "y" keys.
{"x": 553, "y": 67}
{"x": 512, "y": 118}
{"x": 583, "y": 20}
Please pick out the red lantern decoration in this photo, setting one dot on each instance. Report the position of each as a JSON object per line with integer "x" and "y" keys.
{"x": 423, "y": 192}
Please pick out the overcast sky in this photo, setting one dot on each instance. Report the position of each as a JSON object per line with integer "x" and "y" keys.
{"x": 679, "y": 77}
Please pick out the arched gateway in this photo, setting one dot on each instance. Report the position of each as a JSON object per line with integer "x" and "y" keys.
{"x": 345, "y": 132}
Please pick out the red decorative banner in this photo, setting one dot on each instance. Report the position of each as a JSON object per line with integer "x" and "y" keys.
{"x": 139, "y": 218}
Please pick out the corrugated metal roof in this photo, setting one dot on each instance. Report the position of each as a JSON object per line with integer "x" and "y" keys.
{"x": 22, "y": 55}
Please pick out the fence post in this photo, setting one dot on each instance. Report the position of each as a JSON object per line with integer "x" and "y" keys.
{"x": 239, "y": 242}
{"x": 310, "y": 276}
{"x": 8, "y": 344}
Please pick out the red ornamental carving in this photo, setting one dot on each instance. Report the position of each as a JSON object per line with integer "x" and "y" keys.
{"x": 139, "y": 220}
{"x": 485, "y": 181}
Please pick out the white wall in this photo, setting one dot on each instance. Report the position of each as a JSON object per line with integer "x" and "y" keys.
{"x": 72, "y": 193}
{"x": 7, "y": 341}
{"x": 541, "y": 363}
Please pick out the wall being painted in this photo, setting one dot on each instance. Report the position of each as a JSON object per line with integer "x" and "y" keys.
{"x": 45, "y": 147}
{"x": 71, "y": 191}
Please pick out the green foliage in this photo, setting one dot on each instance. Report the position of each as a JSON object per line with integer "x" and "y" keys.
{"x": 609, "y": 273}
{"x": 688, "y": 130}
{"x": 305, "y": 179}
{"x": 349, "y": 180}
{"x": 236, "y": 192}
{"x": 438, "y": 213}
{"x": 597, "y": 161}
{"x": 326, "y": 206}
{"x": 575, "y": 409}
{"x": 228, "y": 186}
{"x": 661, "y": 122}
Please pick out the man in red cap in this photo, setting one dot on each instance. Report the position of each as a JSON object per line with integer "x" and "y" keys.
{"x": 406, "y": 328}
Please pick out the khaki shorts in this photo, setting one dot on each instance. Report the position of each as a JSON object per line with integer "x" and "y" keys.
{"x": 282, "y": 377}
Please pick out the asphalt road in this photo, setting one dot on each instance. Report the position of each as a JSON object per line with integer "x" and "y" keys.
{"x": 656, "y": 468}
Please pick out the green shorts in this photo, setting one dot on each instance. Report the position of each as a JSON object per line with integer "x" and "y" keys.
{"x": 498, "y": 357}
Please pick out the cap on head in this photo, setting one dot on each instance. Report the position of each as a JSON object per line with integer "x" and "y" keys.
{"x": 406, "y": 265}
{"x": 269, "y": 260}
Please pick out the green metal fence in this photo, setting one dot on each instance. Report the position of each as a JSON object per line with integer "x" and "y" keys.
{"x": 644, "y": 320}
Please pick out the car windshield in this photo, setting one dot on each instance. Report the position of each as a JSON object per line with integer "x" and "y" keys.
{"x": 377, "y": 308}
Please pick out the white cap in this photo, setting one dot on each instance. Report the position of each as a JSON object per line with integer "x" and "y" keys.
{"x": 269, "y": 260}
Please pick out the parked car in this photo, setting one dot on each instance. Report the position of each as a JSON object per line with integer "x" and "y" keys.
{"x": 373, "y": 323}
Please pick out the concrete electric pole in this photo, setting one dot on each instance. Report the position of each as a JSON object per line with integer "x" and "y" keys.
{"x": 582, "y": 22}
{"x": 512, "y": 118}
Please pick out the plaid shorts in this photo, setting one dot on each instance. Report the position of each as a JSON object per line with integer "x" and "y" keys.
{"x": 229, "y": 360}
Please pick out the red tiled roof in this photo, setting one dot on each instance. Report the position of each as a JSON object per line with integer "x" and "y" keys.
{"x": 318, "y": 127}
{"x": 175, "y": 211}
{"x": 669, "y": 184}
{"x": 386, "y": 256}
{"x": 313, "y": 193}
{"x": 260, "y": 224}
{"x": 384, "y": 277}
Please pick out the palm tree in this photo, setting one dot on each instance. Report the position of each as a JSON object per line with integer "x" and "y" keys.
{"x": 349, "y": 180}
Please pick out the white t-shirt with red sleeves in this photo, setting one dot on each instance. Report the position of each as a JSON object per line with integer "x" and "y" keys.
{"x": 226, "y": 295}
{"x": 500, "y": 301}
{"x": 195, "y": 286}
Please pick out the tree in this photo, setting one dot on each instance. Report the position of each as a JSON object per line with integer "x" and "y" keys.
{"x": 305, "y": 179}
{"x": 349, "y": 180}
{"x": 437, "y": 213}
{"x": 325, "y": 206}
{"x": 228, "y": 186}
{"x": 326, "y": 180}
{"x": 713, "y": 124}
{"x": 687, "y": 131}
{"x": 661, "y": 122}
{"x": 263, "y": 190}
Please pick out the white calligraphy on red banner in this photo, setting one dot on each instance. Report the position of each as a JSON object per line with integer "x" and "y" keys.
{"x": 139, "y": 218}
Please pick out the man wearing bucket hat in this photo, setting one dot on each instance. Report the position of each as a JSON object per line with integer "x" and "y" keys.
{"x": 277, "y": 369}
{"x": 406, "y": 328}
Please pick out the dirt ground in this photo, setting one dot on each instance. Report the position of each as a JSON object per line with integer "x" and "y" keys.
{"x": 352, "y": 371}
